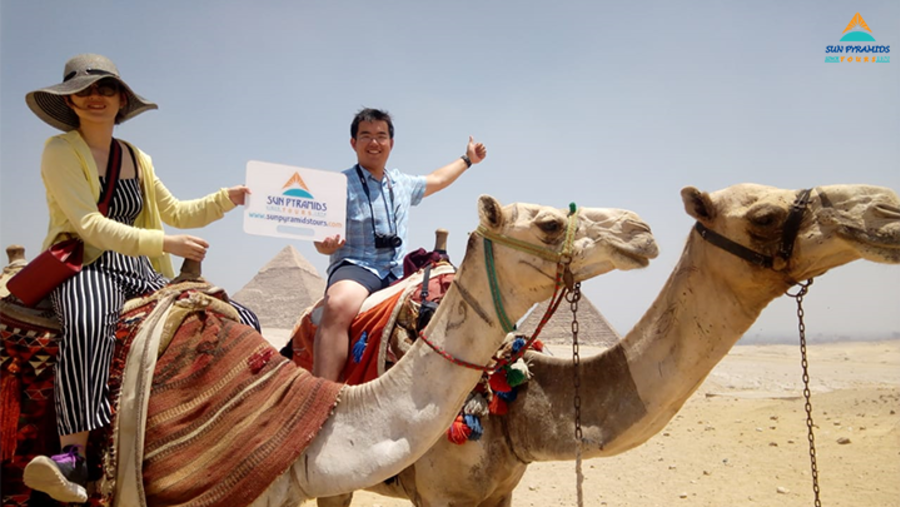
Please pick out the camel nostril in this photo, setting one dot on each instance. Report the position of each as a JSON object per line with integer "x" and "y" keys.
{"x": 637, "y": 227}
{"x": 887, "y": 211}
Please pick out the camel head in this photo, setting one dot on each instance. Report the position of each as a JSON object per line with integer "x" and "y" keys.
{"x": 834, "y": 225}
{"x": 597, "y": 240}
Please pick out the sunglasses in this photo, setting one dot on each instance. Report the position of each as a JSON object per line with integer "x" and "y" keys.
{"x": 105, "y": 87}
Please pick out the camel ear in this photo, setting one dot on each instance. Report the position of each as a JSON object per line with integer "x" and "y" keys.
{"x": 698, "y": 204}
{"x": 490, "y": 212}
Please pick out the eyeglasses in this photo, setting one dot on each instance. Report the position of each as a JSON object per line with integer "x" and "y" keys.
{"x": 105, "y": 87}
{"x": 367, "y": 138}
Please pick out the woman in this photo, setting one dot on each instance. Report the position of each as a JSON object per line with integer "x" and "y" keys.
{"x": 126, "y": 252}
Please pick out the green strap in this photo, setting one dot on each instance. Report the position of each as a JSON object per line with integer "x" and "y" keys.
{"x": 505, "y": 323}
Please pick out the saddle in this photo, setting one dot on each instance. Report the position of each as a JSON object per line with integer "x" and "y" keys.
{"x": 203, "y": 337}
{"x": 386, "y": 326}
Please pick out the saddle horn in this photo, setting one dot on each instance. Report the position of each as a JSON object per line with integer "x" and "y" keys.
{"x": 440, "y": 241}
{"x": 190, "y": 272}
{"x": 15, "y": 253}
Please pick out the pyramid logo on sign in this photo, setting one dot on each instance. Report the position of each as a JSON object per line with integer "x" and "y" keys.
{"x": 857, "y": 31}
{"x": 296, "y": 187}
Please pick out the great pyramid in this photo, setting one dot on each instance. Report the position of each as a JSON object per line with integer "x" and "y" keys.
{"x": 285, "y": 287}
{"x": 593, "y": 328}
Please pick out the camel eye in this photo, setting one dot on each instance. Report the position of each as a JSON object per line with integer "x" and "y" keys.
{"x": 766, "y": 216}
{"x": 763, "y": 220}
{"x": 551, "y": 227}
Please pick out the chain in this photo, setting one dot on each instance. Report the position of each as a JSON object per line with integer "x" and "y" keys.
{"x": 804, "y": 288}
{"x": 572, "y": 298}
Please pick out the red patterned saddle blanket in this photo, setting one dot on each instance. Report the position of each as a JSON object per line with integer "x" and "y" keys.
{"x": 30, "y": 343}
{"x": 204, "y": 346}
{"x": 384, "y": 329}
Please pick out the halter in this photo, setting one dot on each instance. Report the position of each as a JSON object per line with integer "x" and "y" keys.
{"x": 564, "y": 278}
{"x": 788, "y": 236}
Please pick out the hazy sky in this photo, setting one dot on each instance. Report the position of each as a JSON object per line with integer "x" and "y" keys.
{"x": 604, "y": 104}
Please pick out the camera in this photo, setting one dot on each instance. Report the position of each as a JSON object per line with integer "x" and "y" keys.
{"x": 387, "y": 241}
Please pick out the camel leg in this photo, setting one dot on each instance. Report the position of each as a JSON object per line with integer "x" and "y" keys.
{"x": 335, "y": 501}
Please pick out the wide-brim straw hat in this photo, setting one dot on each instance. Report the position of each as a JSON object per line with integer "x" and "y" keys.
{"x": 82, "y": 71}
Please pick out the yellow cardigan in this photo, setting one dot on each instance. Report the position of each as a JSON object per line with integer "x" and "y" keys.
{"x": 73, "y": 189}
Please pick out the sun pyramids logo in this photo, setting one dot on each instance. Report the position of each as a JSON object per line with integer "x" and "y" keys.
{"x": 858, "y": 30}
{"x": 851, "y": 51}
{"x": 296, "y": 187}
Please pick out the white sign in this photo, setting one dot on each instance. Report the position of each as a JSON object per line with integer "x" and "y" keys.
{"x": 294, "y": 202}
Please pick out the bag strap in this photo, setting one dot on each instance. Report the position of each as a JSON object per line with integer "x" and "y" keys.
{"x": 113, "y": 167}
{"x": 425, "y": 278}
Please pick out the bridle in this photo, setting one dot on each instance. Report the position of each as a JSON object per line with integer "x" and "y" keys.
{"x": 788, "y": 237}
{"x": 564, "y": 282}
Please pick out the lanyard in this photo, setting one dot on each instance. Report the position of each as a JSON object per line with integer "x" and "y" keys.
{"x": 391, "y": 224}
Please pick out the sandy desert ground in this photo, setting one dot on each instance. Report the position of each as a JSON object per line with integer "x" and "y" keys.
{"x": 741, "y": 439}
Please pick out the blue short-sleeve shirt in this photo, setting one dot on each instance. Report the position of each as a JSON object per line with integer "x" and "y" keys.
{"x": 391, "y": 199}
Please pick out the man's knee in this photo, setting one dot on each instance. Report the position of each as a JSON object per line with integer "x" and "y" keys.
{"x": 343, "y": 301}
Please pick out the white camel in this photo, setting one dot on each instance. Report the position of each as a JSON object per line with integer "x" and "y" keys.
{"x": 633, "y": 389}
{"x": 382, "y": 427}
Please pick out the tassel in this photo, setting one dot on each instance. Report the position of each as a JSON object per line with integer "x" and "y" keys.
{"x": 360, "y": 347}
{"x": 458, "y": 432}
{"x": 518, "y": 373}
{"x": 499, "y": 383}
{"x": 515, "y": 377}
{"x": 9, "y": 403}
{"x": 475, "y": 425}
{"x": 476, "y": 405}
{"x": 538, "y": 345}
{"x": 517, "y": 345}
{"x": 508, "y": 397}
{"x": 498, "y": 406}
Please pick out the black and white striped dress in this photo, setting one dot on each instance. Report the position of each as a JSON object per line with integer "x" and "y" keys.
{"x": 88, "y": 306}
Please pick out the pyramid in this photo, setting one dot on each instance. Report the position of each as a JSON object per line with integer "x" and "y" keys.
{"x": 280, "y": 292}
{"x": 593, "y": 328}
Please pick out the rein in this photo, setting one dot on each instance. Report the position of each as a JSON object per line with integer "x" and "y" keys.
{"x": 563, "y": 283}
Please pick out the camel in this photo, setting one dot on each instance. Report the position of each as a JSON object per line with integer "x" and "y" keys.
{"x": 380, "y": 428}
{"x": 632, "y": 390}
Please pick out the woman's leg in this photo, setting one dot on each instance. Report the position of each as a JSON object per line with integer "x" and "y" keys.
{"x": 88, "y": 307}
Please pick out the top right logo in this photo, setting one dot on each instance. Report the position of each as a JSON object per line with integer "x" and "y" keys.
{"x": 857, "y": 31}
{"x": 851, "y": 51}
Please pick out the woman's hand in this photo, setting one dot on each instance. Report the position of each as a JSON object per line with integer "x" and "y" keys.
{"x": 330, "y": 244}
{"x": 183, "y": 245}
{"x": 238, "y": 194}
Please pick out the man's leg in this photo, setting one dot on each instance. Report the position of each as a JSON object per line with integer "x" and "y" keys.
{"x": 343, "y": 300}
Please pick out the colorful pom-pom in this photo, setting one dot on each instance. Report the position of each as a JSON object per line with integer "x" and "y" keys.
{"x": 499, "y": 383}
{"x": 498, "y": 406}
{"x": 474, "y": 424}
{"x": 508, "y": 397}
{"x": 517, "y": 345}
{"x": 459, "y": 432}
{"x": 476, "y": 405}
{"x": 515, "y": 376}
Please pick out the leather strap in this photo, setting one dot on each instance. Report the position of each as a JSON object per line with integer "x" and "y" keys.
{"x": 113, "y": 168}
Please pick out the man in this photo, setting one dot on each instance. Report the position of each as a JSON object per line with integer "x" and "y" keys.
{"x": 371, "y": 256}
